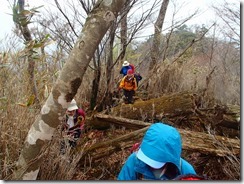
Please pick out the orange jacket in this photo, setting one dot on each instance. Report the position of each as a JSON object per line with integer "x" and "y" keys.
{"x": 128, "y": 84}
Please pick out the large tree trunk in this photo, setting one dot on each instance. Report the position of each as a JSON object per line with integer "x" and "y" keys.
{"x": 107, "y": 97}
{"x": 157, "y": 32}
{"x": 65, "y": 88}
{"x": 96, "y": 80}
{"x": 123, "y": 36}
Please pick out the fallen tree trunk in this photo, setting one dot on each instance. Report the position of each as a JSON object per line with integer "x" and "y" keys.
{"x": 223, "y": 116}
{"x": 230, "y": 118}
{"x": 102, "y": 149}
{"x": 101, "y": 121}
{"x": 166, "y": 106}
{"x": 180, "y": 110}
{"x": 193, "y": 141}
{"x": 167, "y": 111}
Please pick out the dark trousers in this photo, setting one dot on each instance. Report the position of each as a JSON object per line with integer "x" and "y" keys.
{"x": 72, "y": 143}
{"x": 129, "y": 96}
{"x": 76, "y": 136}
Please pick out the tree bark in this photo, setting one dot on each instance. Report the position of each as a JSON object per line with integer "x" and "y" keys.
{"x": 123, "y": 35}
{"x": 96, "y": 80}
{"x": 157, "y": 32}
{"x": 107, "y": 97}
{"x": 65, "y": 88}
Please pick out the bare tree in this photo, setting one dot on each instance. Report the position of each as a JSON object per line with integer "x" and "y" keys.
{"x": 22, "y": 18}
{"x": 157, "y": 33}
{"x": 229, "y": 13}
{"x": 160, "y": 46}
{"x": 123, "y": 31}
{"x": 68, "y": 37}
{"x": 109, "y": 66}
{"x": 96, "y": 79}
{"x": 65, "y": 88}
{"x": 174, "y": 25}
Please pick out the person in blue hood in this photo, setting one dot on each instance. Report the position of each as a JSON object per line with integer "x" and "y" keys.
{"x": 158, "y": 158}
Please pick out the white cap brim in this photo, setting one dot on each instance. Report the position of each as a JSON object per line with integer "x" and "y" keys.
{"x": 152, "y": 163}
{"x": 73, "y": 107}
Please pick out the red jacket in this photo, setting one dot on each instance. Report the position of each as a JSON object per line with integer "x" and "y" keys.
{"x": 79, "y": 120}
{"x": 132, "y": 67}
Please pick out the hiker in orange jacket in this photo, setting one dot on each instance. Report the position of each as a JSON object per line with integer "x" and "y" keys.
{"x": 129, "y": 85}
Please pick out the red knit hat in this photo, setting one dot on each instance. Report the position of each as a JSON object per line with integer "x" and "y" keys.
{"x": 129, "y": 72}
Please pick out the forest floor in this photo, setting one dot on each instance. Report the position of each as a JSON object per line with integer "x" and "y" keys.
{"x": 108, "y": 167}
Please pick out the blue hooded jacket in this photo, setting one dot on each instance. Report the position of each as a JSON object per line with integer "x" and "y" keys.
{"x": 124, "y": 70}
{"x": 161, "y": 143}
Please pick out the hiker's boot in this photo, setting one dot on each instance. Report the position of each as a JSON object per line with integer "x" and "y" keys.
{"x": 132, "y": 101}
{"x": 126, "y": 100}
{"x": 72, "y": 144}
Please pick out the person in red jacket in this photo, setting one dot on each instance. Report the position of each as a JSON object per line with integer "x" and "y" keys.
{"x": 73, "y": 124}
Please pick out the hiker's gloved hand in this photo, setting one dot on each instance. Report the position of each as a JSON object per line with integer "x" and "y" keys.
{"x": 80, "y": 119}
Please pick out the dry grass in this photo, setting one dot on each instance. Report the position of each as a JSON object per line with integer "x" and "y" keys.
{"x": 57, "y": 166}
{"x": 231, "y": 164}
{"x": 15, "y": 125}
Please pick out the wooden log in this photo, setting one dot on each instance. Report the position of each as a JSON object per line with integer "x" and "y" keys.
{"x": 209, "y": 144}
{"x": 220, "y": 116}
{"x": 193, "y": 141}
{"x": 178, "y": 109}
{"x": 105, "y": 148}
{"x": 166, "y": 106}
{"x": 230, "y": 117}
{"x": 119, "y": 121}
{"x": 229, "y": 121}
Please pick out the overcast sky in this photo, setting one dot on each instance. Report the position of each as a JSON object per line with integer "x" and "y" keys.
{"x": 205, "y": 17}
